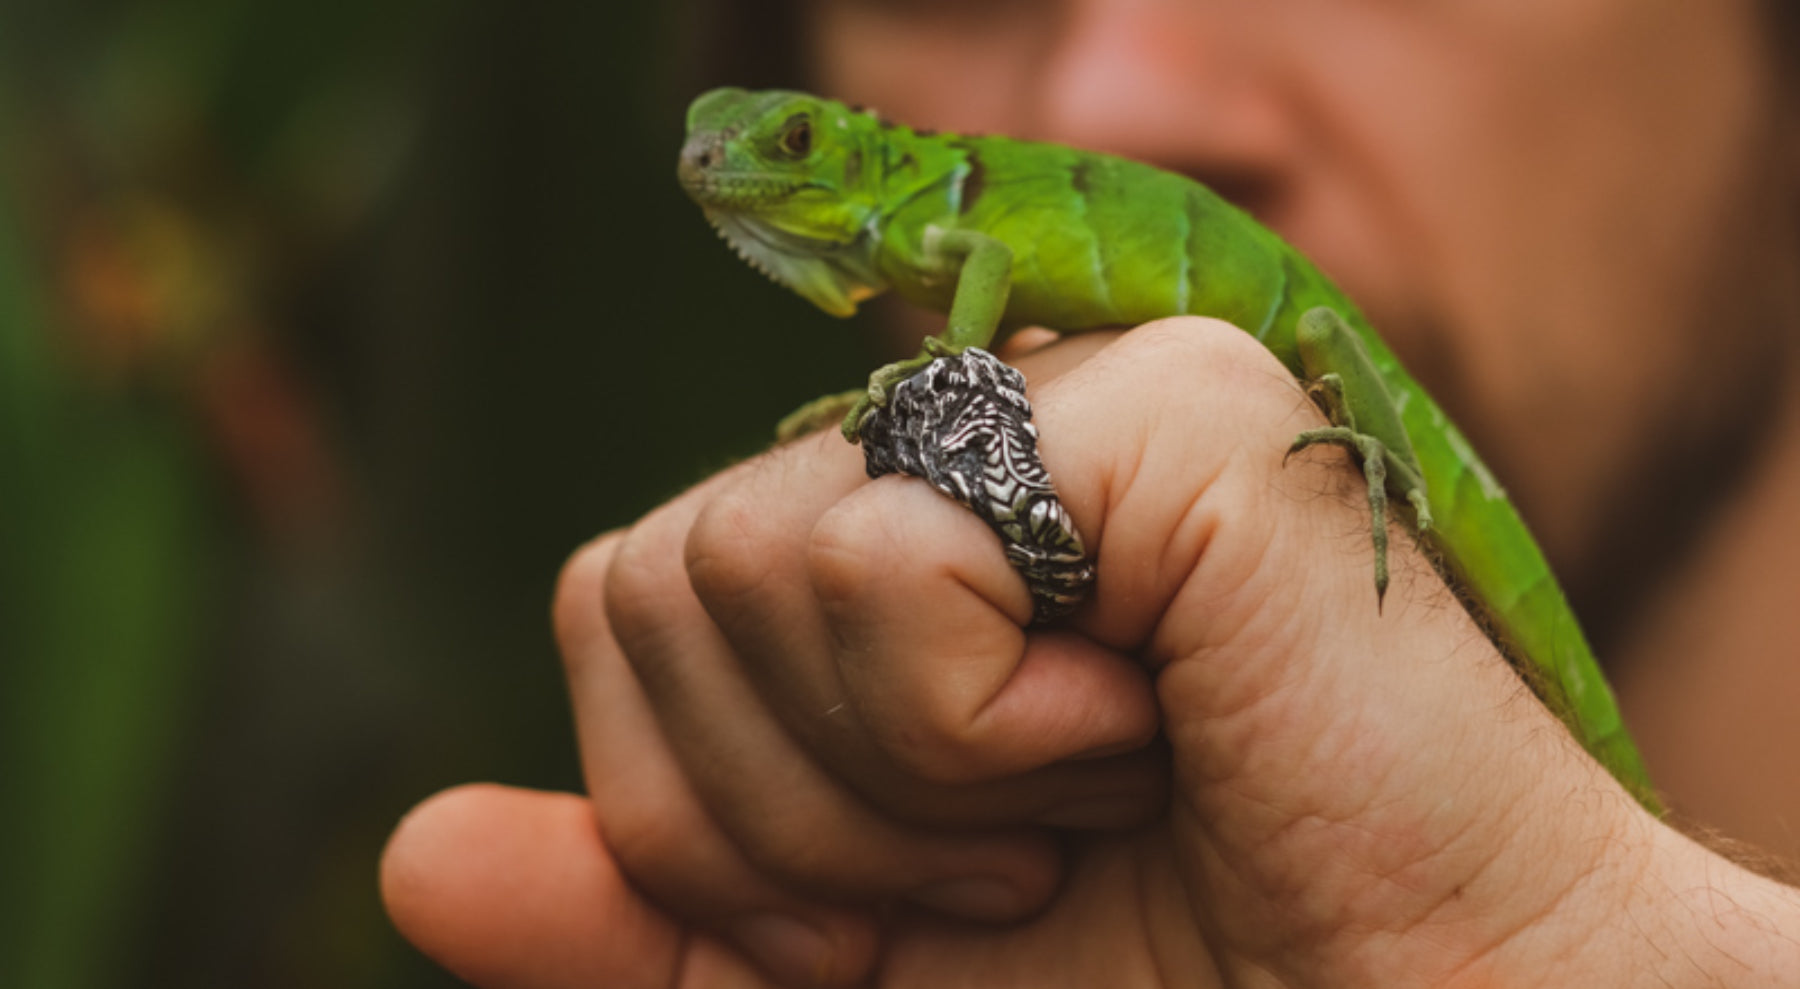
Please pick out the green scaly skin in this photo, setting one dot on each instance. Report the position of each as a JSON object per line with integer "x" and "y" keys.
{"x": 838, "y": 205}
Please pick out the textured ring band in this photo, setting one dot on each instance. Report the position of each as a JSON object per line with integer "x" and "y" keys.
{"x": 964, "y": 426}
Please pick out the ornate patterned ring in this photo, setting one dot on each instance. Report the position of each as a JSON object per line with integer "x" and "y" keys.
{"x": 964, "y": 426}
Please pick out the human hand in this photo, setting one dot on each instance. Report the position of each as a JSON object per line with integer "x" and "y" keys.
{"x": 808, "y": 697}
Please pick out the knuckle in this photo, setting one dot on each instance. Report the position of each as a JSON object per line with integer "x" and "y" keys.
{"x": 1199, "y": 388}
{"x": 649, "y": 834}
{"x": 1191, "y": 351}
{"x": 577, "y": 612}
{"x": 1193, "y": 340}
{"x": 645, "y": 584}
{"x": 845, "y": 553}
{"x": 730, "y": 550}
{"x": 928, "y": 730}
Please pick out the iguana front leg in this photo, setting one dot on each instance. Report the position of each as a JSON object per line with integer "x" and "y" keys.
{"x": 1364, "y": 420}
{"x": 982, "y": 267}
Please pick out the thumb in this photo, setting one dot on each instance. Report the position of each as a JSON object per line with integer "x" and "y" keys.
{"x": 1339, "y": 768}
{"x": 513, "y": 888}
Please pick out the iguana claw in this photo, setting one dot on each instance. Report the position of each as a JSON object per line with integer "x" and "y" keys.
{"x": 883, "y": 381}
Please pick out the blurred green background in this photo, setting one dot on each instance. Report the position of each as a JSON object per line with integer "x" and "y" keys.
{"x": 327, "y": 330}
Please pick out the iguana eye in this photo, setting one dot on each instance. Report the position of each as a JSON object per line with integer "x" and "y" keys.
{"x": 797, "y": 139}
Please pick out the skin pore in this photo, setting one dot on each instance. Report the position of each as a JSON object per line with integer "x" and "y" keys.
{"x": 1574, "y": 221}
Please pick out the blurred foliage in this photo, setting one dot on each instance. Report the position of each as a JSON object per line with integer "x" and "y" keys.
{"x": 327, "y": 330}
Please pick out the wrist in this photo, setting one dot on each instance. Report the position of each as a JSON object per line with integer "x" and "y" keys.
{"x": 1652, "y": 907}
{"x": 1696, "y": 919}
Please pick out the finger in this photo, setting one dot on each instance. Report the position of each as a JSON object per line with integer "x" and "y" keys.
{"x": 1024, "y": 342}
{"x": 655, "y": 823}
{"x": 924, "y": 616}
{"x": 773, "y": 806}
{"x": 512, "y": 888}
{"x": 967, "y": 694}
{"x": 749, "y": 557}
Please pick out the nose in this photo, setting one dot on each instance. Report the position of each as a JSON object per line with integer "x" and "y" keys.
{"x": 1173, "y": 82}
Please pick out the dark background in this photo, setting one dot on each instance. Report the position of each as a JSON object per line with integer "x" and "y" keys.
{"x": 327, "y": 330}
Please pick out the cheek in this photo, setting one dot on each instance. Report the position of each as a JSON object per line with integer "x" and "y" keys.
{"x": 1550, "y": 229}
{"x": 1588, "y": 262}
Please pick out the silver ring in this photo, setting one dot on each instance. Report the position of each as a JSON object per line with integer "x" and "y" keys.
{"x": 963, "y": 425}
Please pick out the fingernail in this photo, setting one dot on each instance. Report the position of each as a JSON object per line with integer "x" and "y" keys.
{"x": 791, "y": 950}
{"x": 979, "y": 898}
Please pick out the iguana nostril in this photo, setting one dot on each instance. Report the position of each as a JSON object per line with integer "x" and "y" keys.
{"x": 699, "y": 157}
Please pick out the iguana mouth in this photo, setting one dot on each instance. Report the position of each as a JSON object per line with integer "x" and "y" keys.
{"x": 712, "y": 190}
{"x": 701, "y": 169}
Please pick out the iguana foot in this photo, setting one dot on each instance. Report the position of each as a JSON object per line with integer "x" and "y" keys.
{"x": 883, "y": 381}
{"x": 816, "y": 415}
{"x": 1344, "y": 382}
{"x": 1373, "y": 455}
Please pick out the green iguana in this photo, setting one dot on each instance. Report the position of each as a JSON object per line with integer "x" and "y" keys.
{"x": 838, "y": 204}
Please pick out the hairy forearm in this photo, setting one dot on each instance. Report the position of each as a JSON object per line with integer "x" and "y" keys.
{"x": 1655, "y": 907}
{"x": 1695, "y": 918}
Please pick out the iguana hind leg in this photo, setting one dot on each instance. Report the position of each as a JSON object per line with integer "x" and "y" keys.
{"x": 1373, "y": 456}
{"x": 826, "y": 410}
{"x": 1364, "y": 421}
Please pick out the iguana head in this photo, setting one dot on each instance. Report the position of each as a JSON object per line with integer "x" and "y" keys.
{"x": 779, "y": 174}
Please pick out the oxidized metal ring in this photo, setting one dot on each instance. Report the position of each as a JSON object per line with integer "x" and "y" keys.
{"x": 964, "y": 426}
